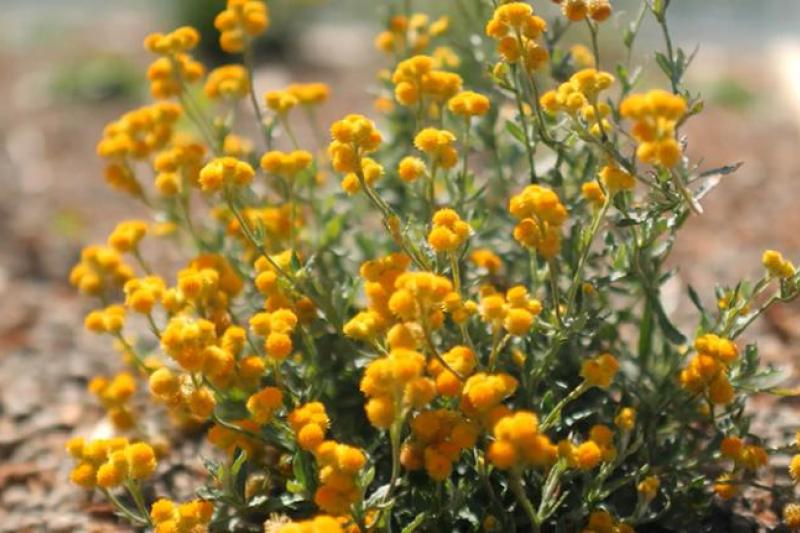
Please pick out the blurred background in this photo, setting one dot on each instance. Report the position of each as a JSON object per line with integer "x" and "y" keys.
{"x": 67, "y": 67}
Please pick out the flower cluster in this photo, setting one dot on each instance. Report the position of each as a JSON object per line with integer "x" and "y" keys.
{"x": 115, "y": 395}
{"x": 448, "y": 232}
{"x": 579, "y": 98}
{"x": 109, "y": 463}
{"x": 516, "y": 30}
{"x": 193, "y": 515}
{"x": 706, "y": 372}
{"x": 228, "y": 82}
{"x": 395, "y": 383}
{"x": 339, "y": 466}
{"x": 412, "y": 35}
{"x": 418, "y": 83}
{"x": 600, "y": 371}
{"x": 241, "y": 21}
{"x": 540, "y": 214}
{"x": 515, "y": 311}
{"x": 518, "y": 443}
{"x": 175, "y": 67}
{"x": 655, "y": 116}
{"x": 578, "y": 10}
{"x": 438, "y": 438}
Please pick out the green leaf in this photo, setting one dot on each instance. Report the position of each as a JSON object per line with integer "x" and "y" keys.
{"x": 515, "y": 131}
{"x": 415, "y": 523}
{"x": 670, "y": 331}
{"x": 696, "y": 299}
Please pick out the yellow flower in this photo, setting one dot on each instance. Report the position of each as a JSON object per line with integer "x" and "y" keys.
{"x": 794, "y": 468}
{"x": 395, "y": 383}
{"x": 190, "y": 516}
{"x": 469, "y": 104}
{"x": 600, "y": 371}
{"x": 655, "y": 116}
{"x": 225, "y": 171}
{"x": 263, "y": 404}
{"x": 776, "y": 265}
{"x": 648, "y": 488}
{"x": 616, "y": 179}
{"x": 448, "y": 231}
{"x": 726, "y": 486}
{"x": 240, "y": 22}
{"x": 540, "y": 214}
{"x": 593, "y": 193}
{"x": 791, "y": 515}
{"x": 411, "y": 168}
{"x": 486, "y": 259}
{"x": 516, "y": 29}
{"x": 353, "y": 137}
{"x": 281, "y": 102}
{"x": 438, "y": 144}
{"x": 286, "y": 165}
{"x": 141, "y": 460}
{"x": 309, "y": 94}
{"x": 519, "y": 443}
{"x": 228, "y": 82}
{"x": 626, "y": 419}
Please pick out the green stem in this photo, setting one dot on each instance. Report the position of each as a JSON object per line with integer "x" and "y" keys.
{"x": 578, "y": 276}
{"x": 250, "y": 66}
{"x": 515, "y": 482}
{"x": 595, "y": 47}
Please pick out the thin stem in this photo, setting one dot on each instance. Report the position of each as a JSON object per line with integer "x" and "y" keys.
{"x": 595, "y": 47}
{"x": 555, "y": 294}
{"x": 137, "y": 254}
{"x": 136, "y": 493}
{"x": 554, "y": 415}
{"x": 250, "y": 66}
{"x": 284, "y": 119}
{"x": 523, "y": 120}
{"x": 577, "y": 278}
{"x": 127, "y": 513}
{"x": 515, "y": 482}
{"x": 462, "y": 185}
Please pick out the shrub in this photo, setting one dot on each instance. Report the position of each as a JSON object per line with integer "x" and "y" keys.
{"x": 497, "y": 356}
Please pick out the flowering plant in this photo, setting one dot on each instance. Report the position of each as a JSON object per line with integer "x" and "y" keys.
{"x": 498, "y": 358}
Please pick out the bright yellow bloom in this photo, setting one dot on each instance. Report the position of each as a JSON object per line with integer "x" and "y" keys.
{"x": 240, "y": 22}
{"x": 648, "y": 488}
{"x": 394, "y": 384}
{"x": 438, "y": 145}
{"x": 309, "y": 94}
{"x": 625, "y": 419}
{"x": 791, "y": 515}
{"x": 286, "y": 165}
{"x": 228, "y": 82}
{"x": 600, "y": 371}
{"x": 655, "y": 116}
{"x": 448, "y": 231}
{"x": 169, "y": 517}
{"x": 516, "y": 30}
{"x": 438, "y": 438}
{"x": 281, "y": 102}
{"x": 99, "y": 270}
{"x": 593, "y": 193}
{"x": 776, "y": 265}
{"x": 353, "y": 137}
{"x": 519, "y": 443}
{"x": 411, "y": 168}
{"x": 540, "y": 214}
{"x": 225, "y": 171}
{"x": 469, "y": 104}
{"x": 263, "y": 404}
